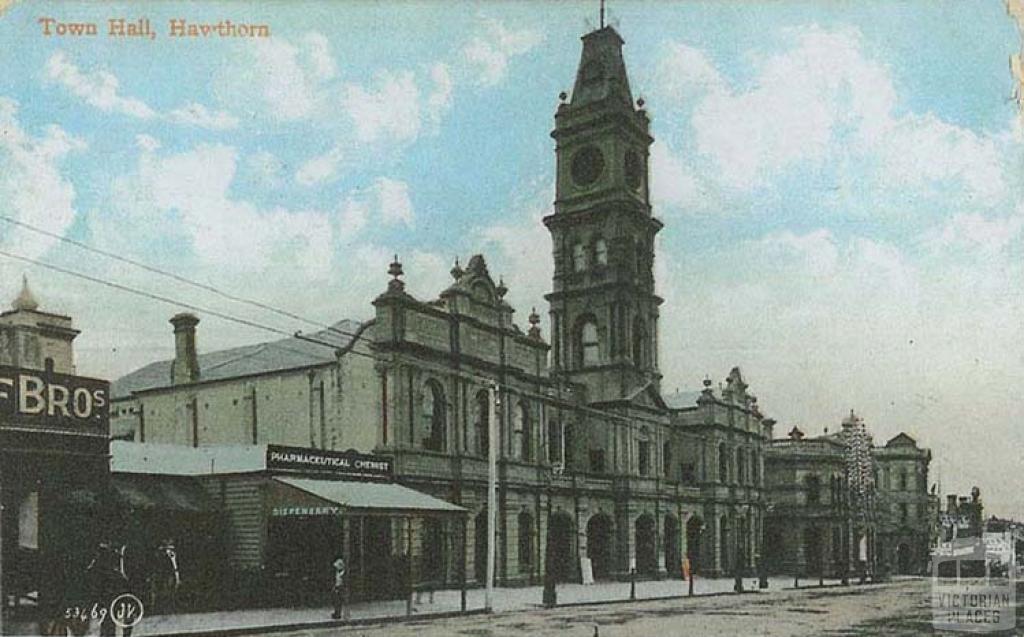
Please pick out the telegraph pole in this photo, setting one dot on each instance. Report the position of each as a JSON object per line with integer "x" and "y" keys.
{"x": 492, "y": 479}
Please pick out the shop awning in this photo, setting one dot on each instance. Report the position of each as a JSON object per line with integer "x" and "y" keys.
{"x": 179, "y": 494}
{"x": 372, "y": 497}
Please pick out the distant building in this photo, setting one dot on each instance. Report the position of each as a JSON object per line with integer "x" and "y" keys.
{"x": 906, "y": 509}
{"x": 814, "y": 519}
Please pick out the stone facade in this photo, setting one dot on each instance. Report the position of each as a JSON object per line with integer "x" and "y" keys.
{"x": 814, "y": 529}
{"x": 810, "y": 520}
{"x": 907, "y": 510}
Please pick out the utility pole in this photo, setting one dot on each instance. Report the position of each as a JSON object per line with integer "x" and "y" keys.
{"x": 492, "y": 479}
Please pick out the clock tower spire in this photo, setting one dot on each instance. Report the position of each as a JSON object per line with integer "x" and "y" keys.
{"x": 603, "y": 305}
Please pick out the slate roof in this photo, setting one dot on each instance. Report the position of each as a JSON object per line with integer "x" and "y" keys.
{"x": 248, "y": 360}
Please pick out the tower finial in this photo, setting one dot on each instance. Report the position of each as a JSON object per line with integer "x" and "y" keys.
{"x": 602, "y": 14}
{"x": 25, "y": 299}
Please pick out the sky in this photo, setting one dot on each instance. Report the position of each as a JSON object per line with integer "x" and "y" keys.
{"x": 842, "y": 187}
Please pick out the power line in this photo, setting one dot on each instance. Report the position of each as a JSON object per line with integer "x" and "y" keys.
{"x": 155, "y": 297}
{"x": 559, "y": 402}
{"x": 177, "y": 277}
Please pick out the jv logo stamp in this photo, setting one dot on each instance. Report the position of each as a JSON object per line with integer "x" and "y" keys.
{"x": 126, "y": 610}
{"x": 973, "y": 587}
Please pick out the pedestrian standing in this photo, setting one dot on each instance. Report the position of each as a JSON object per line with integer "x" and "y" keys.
{"x": 338, "y": 594}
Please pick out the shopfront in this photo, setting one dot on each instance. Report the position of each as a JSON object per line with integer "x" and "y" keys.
{"x": 287, "y": 513}
{"x": 54, "y": 487}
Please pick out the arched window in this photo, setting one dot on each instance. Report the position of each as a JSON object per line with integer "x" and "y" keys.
{"x": 579, "y": 257}
{"x": 601, "y": 252}
{"x": 723, "y": 463}
{"x": 482, "y": 422}
{"x": 639, "y": 342}
{"x": 903, "y": 480}
{"x": 522, "y": 445}
{"x": 433, "y": 417}
{"x": 741, "y": 466}
{"x": 589, "y": 344}
{"x": 525, "y": 542}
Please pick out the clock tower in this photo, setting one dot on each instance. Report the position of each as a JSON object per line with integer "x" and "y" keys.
{"x": 604, "y": 310}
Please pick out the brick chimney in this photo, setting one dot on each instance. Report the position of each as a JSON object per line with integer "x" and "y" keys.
{"x": 185, "y": 368}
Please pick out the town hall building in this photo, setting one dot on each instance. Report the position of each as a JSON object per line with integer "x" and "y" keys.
{"x": 599, "y": 473}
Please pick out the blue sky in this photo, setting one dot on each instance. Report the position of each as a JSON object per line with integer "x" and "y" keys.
{"x": 841, "y": 185}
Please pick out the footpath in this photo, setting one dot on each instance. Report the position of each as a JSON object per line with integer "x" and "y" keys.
{"x": 443, "y": 603}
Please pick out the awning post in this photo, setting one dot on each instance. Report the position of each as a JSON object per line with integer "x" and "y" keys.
{"x": 462, "y": 566}
{"x": 408, "y": 564}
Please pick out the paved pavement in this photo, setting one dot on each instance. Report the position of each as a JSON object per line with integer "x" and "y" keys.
{"x": 447, "y": 601}
{"x": 898, "y": 609}
{"x": 444, "y": 602}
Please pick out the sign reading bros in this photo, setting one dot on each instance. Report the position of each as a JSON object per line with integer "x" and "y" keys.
{"x": 56, "y": 402}
{"x": 348, "y": 463}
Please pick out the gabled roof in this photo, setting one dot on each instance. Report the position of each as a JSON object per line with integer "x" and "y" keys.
{"x": 680, "y": 399}
{"x": 248, "y": 360}
{"x": 901, "y": 440}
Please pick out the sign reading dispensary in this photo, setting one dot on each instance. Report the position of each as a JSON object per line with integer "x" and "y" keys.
{"x": 55, "y": 402}
{"x": 347, "y": 463}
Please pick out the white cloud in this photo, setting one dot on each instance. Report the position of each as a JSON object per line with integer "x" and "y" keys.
{"x": 190, "y": 193}
{"x": 99, "y": 88}
{"x": 33, "y": 188}
{"x": 318, "y": 50}
{"x": 674, "y": 186}
{"x": 274, "y": 77}
{"x": 973, "y": 231}
{"x": 386, "y": 201}
{"x": 685, "y": 72}
{"x": 491, "y": 50}
{"x": 389, "y": 109}
{"x": 395, "y": 204}
{"x": 519, "y": 248}
{"x": 196, "y": 114}
{"x": 319, "y": 169}
{"x": 439, "y": 101}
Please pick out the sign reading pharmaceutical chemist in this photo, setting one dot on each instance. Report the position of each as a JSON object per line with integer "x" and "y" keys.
{"x": 56, "y": 402}
{"x": 347, "y": 463}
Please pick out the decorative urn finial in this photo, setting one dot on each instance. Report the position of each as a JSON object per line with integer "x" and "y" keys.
{"x": 534, "y": 323}
{"x": 395, "y": 270}
{"x": 457, "y": 270}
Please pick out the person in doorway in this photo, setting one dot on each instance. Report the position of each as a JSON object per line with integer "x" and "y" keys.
{"x": 338, "y": 593}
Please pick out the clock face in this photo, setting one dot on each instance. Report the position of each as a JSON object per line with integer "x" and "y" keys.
{"x": 634, "y": 169}
{"x": 587, "y": 165}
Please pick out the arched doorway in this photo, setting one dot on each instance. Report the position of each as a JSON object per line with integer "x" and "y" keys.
{"x": 903, "y": 559}
{"x": 673, "y": 560}
{"x": 646, "y": 546}
{"x": 480, "y": 547}
{"x": 559, "y": 553}
{"x": 600, "y": 535}
{"x": 694, "y": 528}
{"x": 812, "y": 550}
